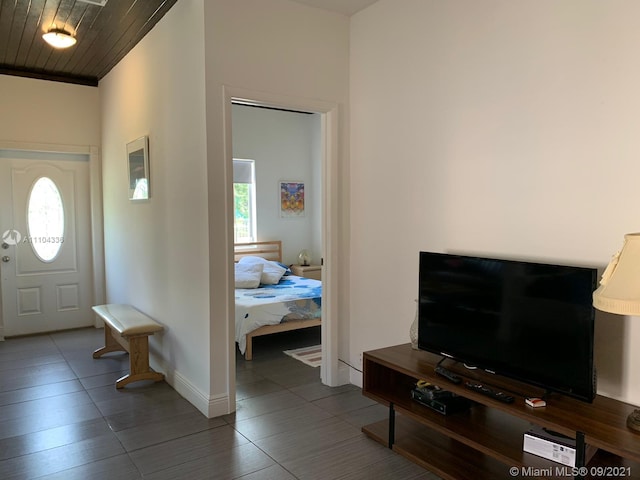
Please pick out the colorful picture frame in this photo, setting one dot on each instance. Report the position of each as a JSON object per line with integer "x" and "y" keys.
{"x": 292, "y": 199}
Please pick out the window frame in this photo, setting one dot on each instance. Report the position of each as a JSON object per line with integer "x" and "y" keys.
{"x": 45, "y": 237}
{"x": 244, "y": 173}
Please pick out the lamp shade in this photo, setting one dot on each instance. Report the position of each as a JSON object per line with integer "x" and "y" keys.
{"x": 304, "y": 257}
{"x": 58, "y": 38}
{"x": 619, "y": 290}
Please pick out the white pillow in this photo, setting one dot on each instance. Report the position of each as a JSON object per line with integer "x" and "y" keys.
{"x": 271, "y": 273}
{"x": 248, "y": 275}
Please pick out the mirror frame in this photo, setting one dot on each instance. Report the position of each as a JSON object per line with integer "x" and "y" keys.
{"x": 138, "y": 167}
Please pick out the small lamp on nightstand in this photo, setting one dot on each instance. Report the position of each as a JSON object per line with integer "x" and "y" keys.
{"x": 304, "y": 258}
{"x": 619, "y": 291}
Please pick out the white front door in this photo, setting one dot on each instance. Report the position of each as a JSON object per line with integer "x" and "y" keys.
{"x": 45, "y": 249}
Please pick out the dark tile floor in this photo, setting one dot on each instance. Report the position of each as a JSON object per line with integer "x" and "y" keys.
{"x": 62, "y": 418}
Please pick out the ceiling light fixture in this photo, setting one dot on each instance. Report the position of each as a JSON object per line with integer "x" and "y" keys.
{"x": 59, "y": 38}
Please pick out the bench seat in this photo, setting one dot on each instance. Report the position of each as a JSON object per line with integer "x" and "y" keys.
{"x": 127, "y": 330}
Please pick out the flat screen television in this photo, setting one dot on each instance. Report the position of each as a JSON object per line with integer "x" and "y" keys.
{"x": 533, "y": 322}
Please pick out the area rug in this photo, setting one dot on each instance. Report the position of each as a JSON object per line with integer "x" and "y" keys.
{"x": 311, "y": 356}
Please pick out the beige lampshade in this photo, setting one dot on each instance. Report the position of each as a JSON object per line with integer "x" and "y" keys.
{"x": 619, "y": 290}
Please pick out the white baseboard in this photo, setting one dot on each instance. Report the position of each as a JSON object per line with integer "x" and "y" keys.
{"x": 209, "y": 406}
{"x": 344, "y": 374}
{"x": 218, "y": 406}
{"x": 356, "y": 378}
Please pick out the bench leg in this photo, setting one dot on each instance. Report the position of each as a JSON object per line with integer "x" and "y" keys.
{"x": 139, "y": 363}
{"x": 110, "y": 344}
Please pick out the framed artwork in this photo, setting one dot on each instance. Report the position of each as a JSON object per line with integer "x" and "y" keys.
{"x": 291, "y": 199}
{"x": 138, "y": 165}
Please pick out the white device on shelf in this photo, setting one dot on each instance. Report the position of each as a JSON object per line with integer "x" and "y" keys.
{"x": 553, "y": 446}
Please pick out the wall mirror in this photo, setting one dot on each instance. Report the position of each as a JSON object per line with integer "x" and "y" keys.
{"x": 138, "y": 162}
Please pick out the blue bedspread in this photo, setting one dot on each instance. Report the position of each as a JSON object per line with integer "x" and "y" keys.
{"x": 293, "y": 298}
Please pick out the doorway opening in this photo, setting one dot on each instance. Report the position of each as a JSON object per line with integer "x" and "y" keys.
{"x": 272, "y": 327}
{"x": 326, "y": 115}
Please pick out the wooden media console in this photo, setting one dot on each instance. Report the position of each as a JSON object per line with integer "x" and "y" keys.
{"x": 485, "y": 442}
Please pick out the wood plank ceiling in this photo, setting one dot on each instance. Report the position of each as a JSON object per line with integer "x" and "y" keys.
{"x": 106, "y": 30}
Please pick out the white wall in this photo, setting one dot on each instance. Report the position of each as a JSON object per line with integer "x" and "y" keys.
{"x": 156, "y": 250}
{"x": 39, "y": 111}
{"x": 495, "y": 127}
{"x": 284, "y": 146}
{"x": 171, "y": 256}
{"x": 315, "y": 195}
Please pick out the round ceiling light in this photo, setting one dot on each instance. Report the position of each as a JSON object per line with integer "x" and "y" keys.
{"x": 58, "y": 38}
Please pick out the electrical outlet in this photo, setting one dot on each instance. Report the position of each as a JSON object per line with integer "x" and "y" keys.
{"x": 360, "y": 358}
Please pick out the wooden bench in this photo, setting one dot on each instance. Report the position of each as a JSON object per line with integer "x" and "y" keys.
{"x": 127, "y": 330}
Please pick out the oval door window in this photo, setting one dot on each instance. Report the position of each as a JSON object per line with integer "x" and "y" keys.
{"x": 45, "y": 218}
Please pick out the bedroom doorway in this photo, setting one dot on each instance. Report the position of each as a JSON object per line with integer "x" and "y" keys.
{"x": 324, "y": 230}
{"x": 277, "y": 153}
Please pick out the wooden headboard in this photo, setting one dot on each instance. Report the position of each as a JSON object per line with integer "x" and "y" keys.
{"x": 268, "y": 250}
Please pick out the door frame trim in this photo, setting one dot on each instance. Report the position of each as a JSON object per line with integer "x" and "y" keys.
{"x": 330, "y": 119}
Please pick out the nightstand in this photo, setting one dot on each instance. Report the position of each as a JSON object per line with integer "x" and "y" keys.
{"x": 308, "y": 271}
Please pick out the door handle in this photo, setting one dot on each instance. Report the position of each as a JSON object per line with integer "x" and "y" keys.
{"x": 6, "y": 258}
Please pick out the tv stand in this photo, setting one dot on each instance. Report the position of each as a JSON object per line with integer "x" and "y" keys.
{"x": 485, "y": 442}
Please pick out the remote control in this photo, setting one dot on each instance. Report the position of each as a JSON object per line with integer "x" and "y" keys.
{"x": 448, "y": 374}
{"x": 495, "y": 394}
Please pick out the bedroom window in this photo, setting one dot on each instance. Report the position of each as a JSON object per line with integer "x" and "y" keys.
{"x": 244, "y": 200}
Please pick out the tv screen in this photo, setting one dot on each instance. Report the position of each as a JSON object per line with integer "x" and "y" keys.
{"x": 533, "y": 322}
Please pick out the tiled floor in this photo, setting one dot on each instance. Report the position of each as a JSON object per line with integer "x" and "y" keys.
{"x": 62, "y": 418}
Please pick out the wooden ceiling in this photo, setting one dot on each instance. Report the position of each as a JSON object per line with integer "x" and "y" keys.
{"x": 106, "y": 31}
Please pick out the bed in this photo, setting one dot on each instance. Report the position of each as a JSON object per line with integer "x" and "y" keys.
{"x": 293, "y": 303}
